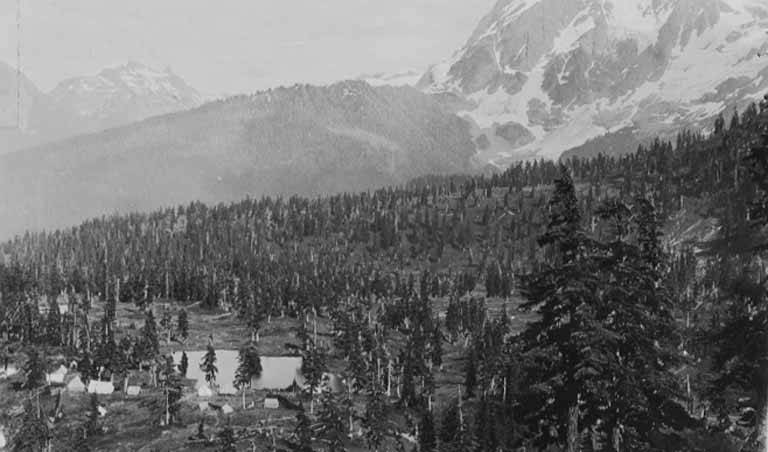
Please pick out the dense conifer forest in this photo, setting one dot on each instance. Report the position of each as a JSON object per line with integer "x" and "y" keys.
{"x": 603, "y": 304}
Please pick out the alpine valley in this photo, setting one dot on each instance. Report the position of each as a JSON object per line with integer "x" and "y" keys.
{"x": 536, "y": 79}
{"x": 556, "y": 240}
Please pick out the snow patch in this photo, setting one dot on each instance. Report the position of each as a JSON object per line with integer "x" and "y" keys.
{"x": 500, "y": 107}
{"x": 568, "y": 39}
{"x": 404, "y": 78}
{"x": 637, "y": 19}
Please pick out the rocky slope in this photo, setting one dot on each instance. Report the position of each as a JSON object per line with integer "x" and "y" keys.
{"x": 307, "y": 140}
{"x": 404, "y": 78}
{"x": 538, "y": 77}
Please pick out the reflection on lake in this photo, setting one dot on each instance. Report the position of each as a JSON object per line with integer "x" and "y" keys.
{"x": 278, "y": 372}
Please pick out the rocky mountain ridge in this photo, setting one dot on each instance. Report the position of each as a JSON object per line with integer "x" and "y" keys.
{"x": 538, "y": 77}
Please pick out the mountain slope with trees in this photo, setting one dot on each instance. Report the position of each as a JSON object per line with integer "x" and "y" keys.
{"x": 299, "y": 140}
{"x": 603, "y": 304}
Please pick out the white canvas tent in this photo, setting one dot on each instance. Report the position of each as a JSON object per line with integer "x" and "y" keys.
{"x": 57, "y": 376}
{"x": 271, "y": 403}
{"x": 100, "y": 387}
{"x": 76, "y": 385}
{"x": 62, "y": 301}
{"x": 227, "y": 409}
{"x": 333, "y": 383}
{"x": 133, "y": 390}
{"x": 9, "y": 372}
{"x": 204, "y": 391}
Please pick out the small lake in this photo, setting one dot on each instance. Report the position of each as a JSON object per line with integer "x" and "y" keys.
{"x": 278, "y": 372}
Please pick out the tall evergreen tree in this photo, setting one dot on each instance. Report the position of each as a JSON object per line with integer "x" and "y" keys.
{"x": 741, "y": 341}
{"x": 182, "y": 324}
{"x": 427, "y": 437}
{"x": 601, "y": 352}
{"x": 34, "y": 369}
{"x": 313, "y": 367}
{"x": 53, "y": 323}
{"x": 166, "y": 323}
{"x": 150, "y": 345}
{"x": 172, "y": 392}
{"x": 637, "y": 309}
{"x": 331, "y": 423}
{"x": 34, "y": 434}
{"x": 78, "y": 441}
{"x": 302, "y": 434}
{"x": 249, "y": 367}
{"x": 467, "y": 440}
{"x": 470, "y": 373}
{"x": 564, "y": 295}
{"x": 436, "y": 345}
{"x": 485, "y": 423}
{"x": 255, "y": 317}
{"x": 92, "y": 426}
{"x": 86, "y": 367}
{"x": 450, "y": 423}
{"x": 227, "y": 442}
{"x": 373, "y": 420}
{"x": 208, "y": 365}
{"x": 183, "y": 364}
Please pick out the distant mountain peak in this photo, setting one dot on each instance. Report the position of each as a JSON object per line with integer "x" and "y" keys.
{"x": 115, "y": 96}
{"x": 561, "y": 72}
{"x": 125, "y": 93}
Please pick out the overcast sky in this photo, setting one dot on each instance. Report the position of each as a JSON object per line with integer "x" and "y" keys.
{"x": 231, "y": 46}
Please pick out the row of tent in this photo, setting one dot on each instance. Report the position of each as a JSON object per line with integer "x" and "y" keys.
{"x": 271, "y": 402}
{"x": 226, "y": 408}
{"x": 279, "y": 374}
{"x": 8, "y": 371}
{"x": 94, "y": 386}
{"x": 75, "y": 383}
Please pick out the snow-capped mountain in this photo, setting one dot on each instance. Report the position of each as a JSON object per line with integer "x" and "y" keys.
{"x": 539, "y": 77}
{"x": 123, "y": 94}
{"x": 116, "y": 96}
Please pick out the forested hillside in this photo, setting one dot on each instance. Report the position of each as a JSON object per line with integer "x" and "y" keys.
{"x": 306, "y": 140}
{"x": 612, "y": 304}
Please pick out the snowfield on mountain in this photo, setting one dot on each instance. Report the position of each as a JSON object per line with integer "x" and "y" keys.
{"x": 561, "y": 72}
